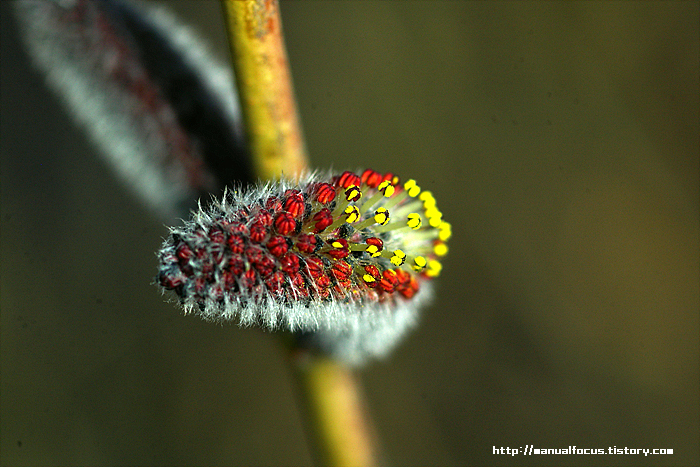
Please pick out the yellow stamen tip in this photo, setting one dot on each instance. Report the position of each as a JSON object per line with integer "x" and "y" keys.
{"x": 419, "y": 263}
{"x": 434, "y": 268}
{"x": 399, "y": 258}
{"x": 414, "y": 221}
{"x": 440, "y": 249}
{"x": 353, "y": 193}
{"x": 387, "y": 188}
{"x": 352, "y": 214}
{"x": 381, "y": 216}
{"x": 367, "y": 278}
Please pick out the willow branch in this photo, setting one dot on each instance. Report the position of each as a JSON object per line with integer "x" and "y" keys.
{"x": 336, "y": 412}
{"x": 265, "y": 87}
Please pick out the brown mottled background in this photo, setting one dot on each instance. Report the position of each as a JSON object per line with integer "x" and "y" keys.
{"x": 561, "y": 141}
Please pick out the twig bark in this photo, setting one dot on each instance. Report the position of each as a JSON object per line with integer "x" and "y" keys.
{"x": 329, "y": 391}
{"x": 265, "y": 87}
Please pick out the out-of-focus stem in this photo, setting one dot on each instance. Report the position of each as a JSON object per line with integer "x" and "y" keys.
{"x": 336, "y": 411}
{"x": 265, "y": 87}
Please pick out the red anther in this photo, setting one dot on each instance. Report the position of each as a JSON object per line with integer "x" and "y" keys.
{"x": 258, "y": 232}
{"x": 340, "y": 248}
{"x": 325, "y": 193}
{"x": 249, "y": 279}
{"x": 253, "y": 254}
{"x": 265, "y": 266}
{"x": 183, "y": 252}
{"x": 285, "y": 223}
{"x": 341, "y": 271}
{"x": 371, "y": 178}
{"x": 216, "y": 235}
{"x": 241, "y": 215}
{"x": 411, "y": 290}
{"x": 314, "y": 267}
{"x": 323, "y": 281}
{"x": 373, "y": 271}
{"x": 276, "y": 281}
{"x": 264, "y": 218}
{"x": 171, "y": 281}
{"x": 239, "y": 228}
{"x": 389, "y": 281}
{"x": 294, "y": 204}
{"x": 322, "y": 219}
{"x": 348, "y": 179}
{"x": 273, "y": 204}
{"x": 306, "y": 243}
{"x": 375, "y": 241}
{"x": 297, "y": 280}
{"x": 403, "y": 278}
{"x": 391, "y": 177}
{"x": 407, "y": 283}
{"x": 236, "y": 265}
{"x": 236, "y": 243}
{"x": 228, "y": 279}
{"x": 289, "y": 263}
{"x": 277, "y": 245}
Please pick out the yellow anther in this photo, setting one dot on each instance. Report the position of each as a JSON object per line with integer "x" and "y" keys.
{"x": 427, "y": 197}
{"x": 435, "y": 222}
{"x": 433, "y": 212}
{"x": 440, "y": 249}
{"x": 414, "y": 221}
{"x": 381, "y": 216}
{"x": 398, "y": 258}
{"x": 419, "y": 263}
{"x": 352, "y": 214}
{"x": 434, "y": 268}
{"x": 369, "y": 279}
{"x": 353, "y": 193}
{"x": 373, "y": 251}
{"x": 411, "y": 188}
{"x": 445, "y": 229}
{"x": 387, "y": 188}
{"x": 337, "y": 245}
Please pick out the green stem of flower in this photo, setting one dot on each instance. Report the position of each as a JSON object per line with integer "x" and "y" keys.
{"x": 329, "y": 391}
{"x": 336, "y": 412}
{"x": 265, "y": 89}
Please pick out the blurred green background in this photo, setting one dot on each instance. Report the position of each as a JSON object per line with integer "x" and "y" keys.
{"x": 560, "y": 140}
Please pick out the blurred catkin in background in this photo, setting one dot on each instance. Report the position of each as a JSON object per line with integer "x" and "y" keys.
{"x": 562, "y": 142}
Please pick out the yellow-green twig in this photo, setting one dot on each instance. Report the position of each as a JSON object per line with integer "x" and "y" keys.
{"x": 265, "y": 87}
{"x": 336, "y": 412}
{"x": 330, "y": 393}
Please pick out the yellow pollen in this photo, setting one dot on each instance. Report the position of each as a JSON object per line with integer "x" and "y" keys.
{"x": 353, "y": 193}
{"x": 398, "y": 258}
{"x": 367, "y": 278}
{"x": 387, "y": 188}
{"x": 411, "y": 188}
{"x": 440, "y": 249}
{"x": 337, "y": 245}
{"x": 352, "y": 214}
{"x": 434, "y": 268}
{"x": 419, "y": 263}
{"x": 433, "y": 212}
{"x": 445, "y": 229}
{"x": 414, "y": 221}
{"x": 381, "y": 216}
{"x": 373, "y": 251}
